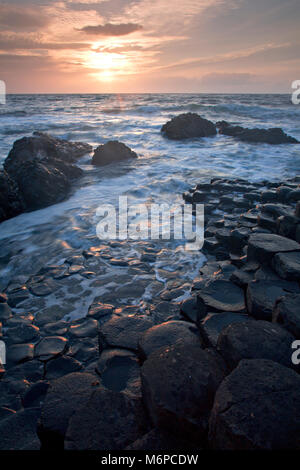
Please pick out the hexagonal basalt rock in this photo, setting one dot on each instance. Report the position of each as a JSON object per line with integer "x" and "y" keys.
{"x": 287, "y": 265}
{"x": 263, "y": 246}
{"x": 167, "y": 334}
{"x": 108, "y": 420}
{"x": 50, "y": 347}
{"x": 178, "y": 384}
{"x": 221, "y": 296}
{"x": 65, "y": 395}
{"x": 213, "y": 324}
{"x": 287, "y": 313}
{"x": 124, "y": 332}
{"x": 257, "y": 406}
{"x": 255, "y": 340}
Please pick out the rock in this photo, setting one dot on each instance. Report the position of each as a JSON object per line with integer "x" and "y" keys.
{"x": 18, "y": 431}
{"x": 221, "y": 296}
{"x": 98, "y": 310}
{"x": 3, "y": 298}
{"x": 87, "y": 328}
{"x": 25, "y": 333}
{"x": 272, "y": 136}
{"x": 287, "y": 265}
{"x": 50, "y": 347}
{"x": 287, "y": 313}
{"x": 257, "y": 407}
{"x": 213, "y": 324}
{"x": 178, "y": 384}
{"x": 11, "y": 202}
{"x": 263, "y": 246}
{"x": 61, "y": 366}
{"x": 112, "y": 151}
{"x": 35, "y": 395}
{"x": 262, "y": 295}
{"x": 30, "y": 371}
{"x": 65, "y": 395}
{"x": 43, "y": 147}
{"x": 255, "y": 340}
{"x": 85, "y": 350}
{"x": 42, "y": 288}
{"x": 119, "y": 370}
{"x": 5, "y": 312}
{"x": 59, "y": 328}
{"x": 166, "y": 334}
{"x": 17, "y": 295}
{"x": 287, "y": 226}
{"x": 18, "y": 353}
{"x": 160, "y": 440}
{"x": 188, "y": 125}
{"x": 108, "y": 420}
{"x": 124, "y": 332}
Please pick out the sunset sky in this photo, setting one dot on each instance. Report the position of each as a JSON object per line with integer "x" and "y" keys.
{"x": 90, "y": 46}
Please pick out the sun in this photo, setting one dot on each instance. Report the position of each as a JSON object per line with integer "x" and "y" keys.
{"x": 107, "y": 65}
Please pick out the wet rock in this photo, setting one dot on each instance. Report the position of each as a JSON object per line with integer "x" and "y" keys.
{"x": 108, "y": 420}
{"x": 65, "y": 395}
{"x": 59, "y": 328}
{"x": 213, "y": 324}
{"x": 18, "y": 431}
{"x": 272, "y": 136}
{"x": 31, "y": 371}
{"x": 17, "y": 295}
{"x": 262, "y": 295}
{"x": 119, "y": 370}
{"x": 5, "y": 312}
{"x": 112, "y": 151}
{"x": 166, "y": 334}
{"x": 42, "y": 288}
{"x": 124, "y": 332}
{"x": 25, "y": 333}
{"x": 287, "y": 313}
{"x": 190, "y": 377}
{"x": 255, "y": 340}
{"x": 287, "y": 265}
{"x": 241, "y": 278}
{"x": 221, "y": 296}
{"x": 247, "y": 402}
{"x": 87, "y": 328}
{"x": 61, "y": 366}
{"x": 11, "y": 202}
{"x": 3, "y": 298}
{"x": 49, "y": 315}
{"x": 35, "y": 395}
{"x": 263, "y": 246}
{"x": 18, "y": 353}
{"x": 188, "y": 125}
{"x": 287, "y": 226}
{"x": 85, "y": 350}
{"x": 50, "y": 347}
{"x": 98, "y": 310}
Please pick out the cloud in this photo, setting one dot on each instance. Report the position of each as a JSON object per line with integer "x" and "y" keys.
{"x": 215, "y": 80}
{"x": 16, "y": 18}
{"x": 109, "y": 29}
{"x": 21, "y": 42}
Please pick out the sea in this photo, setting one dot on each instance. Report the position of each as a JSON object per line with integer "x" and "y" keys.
{"x": 163, "y": 171}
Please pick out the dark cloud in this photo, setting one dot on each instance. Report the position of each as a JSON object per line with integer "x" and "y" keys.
{"x": 110, "y": 29}
{"x": 22, "y": 19}
{"x": 9, "y": 43}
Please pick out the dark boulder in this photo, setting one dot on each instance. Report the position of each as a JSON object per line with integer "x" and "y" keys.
{"x": 112, "y": 151}
{"x": 124, "y": 332}
{"x": 287, "y": 313}
{"x": 108, "y": 420}
{"x": 273, "y": 136}
{"x": 11, "y": 201}
{"x": 187, "y": 126}
{"x": 255, "y": 340}
{"x": 40, "y": 147}
{"x": 257, "y": 406}
{"x": 220, "y": 296}
{"x": 18, "y": 431}
{"x": 263, "y": 246}
{"x": 287, "y": 265}
{"x": 214, "y": 323}
{"x": 178, "y": 384}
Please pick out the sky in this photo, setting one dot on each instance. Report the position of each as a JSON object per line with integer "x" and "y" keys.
{"x": 140, "y": 46}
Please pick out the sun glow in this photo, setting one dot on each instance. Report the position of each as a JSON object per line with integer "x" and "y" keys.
{"x": 107, "y": 65}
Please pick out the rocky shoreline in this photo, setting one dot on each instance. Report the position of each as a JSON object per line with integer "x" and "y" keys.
{"x": 211, "y": 371}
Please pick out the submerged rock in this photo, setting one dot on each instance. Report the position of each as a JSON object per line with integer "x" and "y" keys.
{"x": 112, "y": 151}
{"x": 273, "y": 136}
{"x": 187, "y": 126}
{"x": 257, "y": 407}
